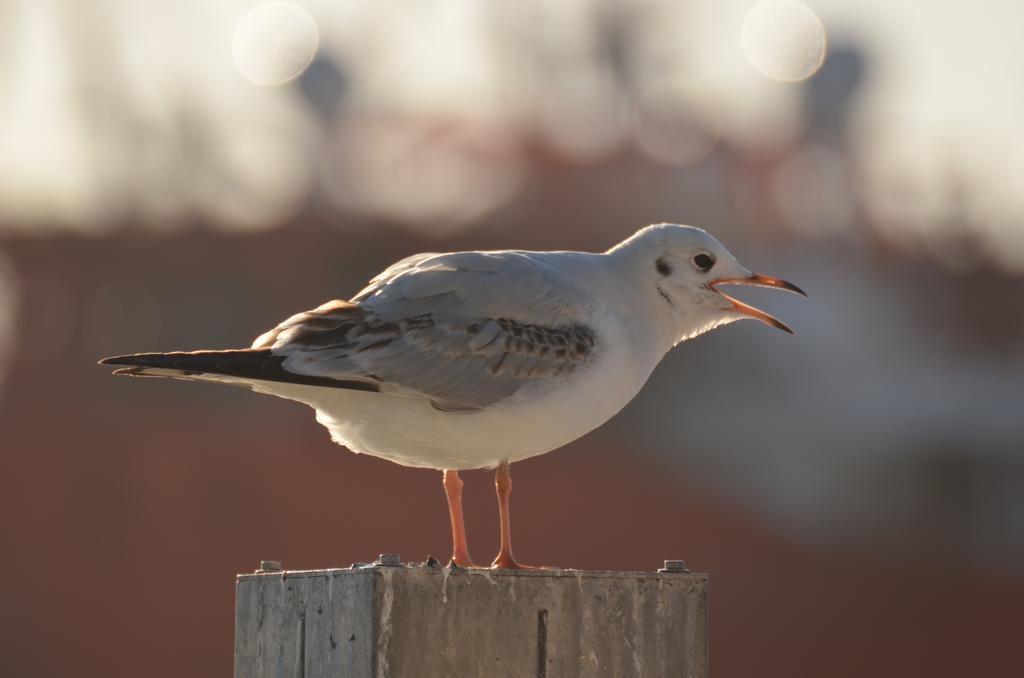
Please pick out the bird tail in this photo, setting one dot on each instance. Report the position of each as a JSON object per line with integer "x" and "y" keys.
{"x": 241, "y": 366}
{"x": 239, "y": 363}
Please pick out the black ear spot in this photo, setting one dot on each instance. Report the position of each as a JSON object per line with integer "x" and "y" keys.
{"x": 664, "y": 268}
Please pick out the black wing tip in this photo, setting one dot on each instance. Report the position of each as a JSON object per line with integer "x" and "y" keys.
{"x": 246, "y": 363}
{"x": 134, "y": 360}
{"x": 117, "y": 360}
{"x": 130, "y": 359}
{"x": 159, "y": 359}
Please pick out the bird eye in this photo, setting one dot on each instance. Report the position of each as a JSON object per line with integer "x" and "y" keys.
{"x": 704, "y": 262}
{"x": 663, "y": 266}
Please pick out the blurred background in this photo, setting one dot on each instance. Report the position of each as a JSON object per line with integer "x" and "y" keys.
{"x": 179, "y": 175}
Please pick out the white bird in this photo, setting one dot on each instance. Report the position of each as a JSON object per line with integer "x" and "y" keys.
{"x": 473, "y": 360}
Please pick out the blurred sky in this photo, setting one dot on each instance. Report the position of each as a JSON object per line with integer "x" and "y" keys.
{"x": 96, "y": 97}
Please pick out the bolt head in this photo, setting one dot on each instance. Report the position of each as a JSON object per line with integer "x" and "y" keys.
{"x": 389, "y": 560}
{"x": 674, "y": 566}
{"x": 269, "y": 566}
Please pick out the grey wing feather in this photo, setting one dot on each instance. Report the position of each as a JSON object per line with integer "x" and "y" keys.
{"x": 465, "y": 330}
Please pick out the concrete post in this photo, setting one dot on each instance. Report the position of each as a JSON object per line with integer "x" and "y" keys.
{"x": 416, "y": 621}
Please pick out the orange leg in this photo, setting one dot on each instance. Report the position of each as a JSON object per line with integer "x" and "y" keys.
{"x": 503, "y": 484}
{"x": 453, "y": 490}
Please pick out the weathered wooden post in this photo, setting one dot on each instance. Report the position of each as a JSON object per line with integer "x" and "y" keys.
{"x": 387, "y": 620}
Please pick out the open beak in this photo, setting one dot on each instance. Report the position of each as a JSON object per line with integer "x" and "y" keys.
{"x": 757, "y": 281}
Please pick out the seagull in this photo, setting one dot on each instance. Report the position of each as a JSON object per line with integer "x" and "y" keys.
{"x": 478, "y": 359}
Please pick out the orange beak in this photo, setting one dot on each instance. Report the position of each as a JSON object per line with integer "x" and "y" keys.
{"x": 757, "y": 281}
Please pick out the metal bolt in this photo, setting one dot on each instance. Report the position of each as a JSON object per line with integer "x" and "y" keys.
{"x": 674, "y": 566}
{"x": 389, "y": 560}
{"x": 270, "y": 566}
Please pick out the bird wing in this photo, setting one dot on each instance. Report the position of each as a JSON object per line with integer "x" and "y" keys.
{"x": 464, "y": 330}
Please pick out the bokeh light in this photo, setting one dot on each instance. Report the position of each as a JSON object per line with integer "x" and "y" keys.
{"x": 783, "y": 39}
{"x": 274, "y": 43}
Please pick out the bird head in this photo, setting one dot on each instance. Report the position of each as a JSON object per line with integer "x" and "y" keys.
{"x": 684, "y": 268}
